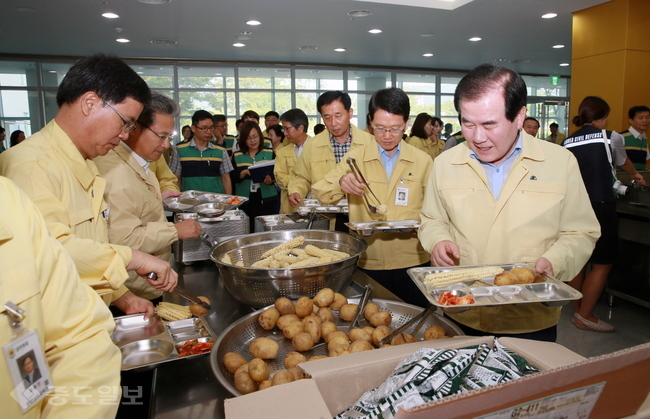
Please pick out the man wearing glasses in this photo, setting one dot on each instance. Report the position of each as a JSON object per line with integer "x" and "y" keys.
{"x": 132, "y": 190}
{"x": 294, "y": 125}
{"x": 99, "y": 100}
{"x": 200, "y": 164}
{"x": 396, "y": 172}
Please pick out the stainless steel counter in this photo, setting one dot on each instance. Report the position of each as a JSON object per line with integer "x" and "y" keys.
{"x": 188, "y": 388}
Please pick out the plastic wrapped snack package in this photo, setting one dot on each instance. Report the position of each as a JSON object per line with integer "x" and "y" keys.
{"x": 430, "y": 374}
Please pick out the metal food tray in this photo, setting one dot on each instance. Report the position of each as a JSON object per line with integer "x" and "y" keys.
{"x": 189, "y": 199}
{"x": 283, "y": 222}
{"x": 144, "y": 344}
{"x": 368, "y": 229}
{"x": 551, "y": 292}
{"x": 239, "y": 335}
{"x": 309, "y": 205}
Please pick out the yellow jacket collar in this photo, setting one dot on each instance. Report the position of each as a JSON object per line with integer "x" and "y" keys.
{"x": 530, "y": 150}
{"x": 84, "y": 170}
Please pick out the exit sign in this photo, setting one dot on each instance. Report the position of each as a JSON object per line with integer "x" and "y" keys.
{"x": 554, "y": 80}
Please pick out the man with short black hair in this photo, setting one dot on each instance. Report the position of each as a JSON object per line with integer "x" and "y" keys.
{"x": 636, "y": 142}
{"x": 555, "y": 137}
{"x": 503, "y": 197}
{"x": 294, "y": 125}
{"x": 531, "y": 126}
{"x": 221, "y": 132}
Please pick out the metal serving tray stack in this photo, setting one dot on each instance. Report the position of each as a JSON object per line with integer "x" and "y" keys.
{"x": 147, "y": 343}
{"x": 368, "y": 229}
{"x": 309, "y": 205}
{"x": 189, "y": 199}
{"x": 283, "y": 222}
{"x": 551, "y": 292}
{"x": 231, "y": 224}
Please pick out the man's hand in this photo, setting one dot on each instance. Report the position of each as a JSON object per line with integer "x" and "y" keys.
{"x": 268, "y": 180}
{"x": 295, "y": 200}
{"x": 144, "y": 264}
{"x": 638, "y": 178}
{"x": 543, "y": 266}
{"x": 129, "y": 303}
{"x": 169, "y": 194}
{"x": 445, "y": 253}
{"x": 350, "y": 184}
{"x": 188, "y": 229}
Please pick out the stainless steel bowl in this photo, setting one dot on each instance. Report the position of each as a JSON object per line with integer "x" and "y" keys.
{"x": 147, "y": 351}
{"x": 259, "y": 287}
{"x": 210, "y": 210}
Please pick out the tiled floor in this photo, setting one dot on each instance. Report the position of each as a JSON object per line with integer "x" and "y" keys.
{"x": 632, "y": 324}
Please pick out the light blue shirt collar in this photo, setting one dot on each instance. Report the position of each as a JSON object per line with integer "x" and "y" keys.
{"x": 389, "y": 162}
{"x": 138, "y": 158}
{"x": 497, "y": 175}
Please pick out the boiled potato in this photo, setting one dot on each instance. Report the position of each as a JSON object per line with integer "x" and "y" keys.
{"x": 338, "y": 341}
{"x": 258, "y": 370}
{"x": 317, "y": 357}
{"x": 385, "y": 345}
{"x": 264, "y": 348}
{"x": 324, "y": 297}
{"x": 505, "y": 278}
{"x": 269, "y": 318}
{"x": 371, "y": 308}
{"x": 381, "y": 318}
{"x": 338, "y": 351}
{"x": 313, "y": 329}
{"x": 332, "y": 335}
{"x": 304, "y": 307}
{"x": 298, "y": 374}
{"x": 242, "y": 369}
{"x": 402, "y": 338}
{"x": 282, "y": 377}
{"x": 347, "y": 312}
{"x": 197, "y": 310}
{"x": 292, "y": 329}
{"x": 314, "y": 318}
{"x": 325, "y": 314}
{"x": 265, "y": 384}
{"x": 524, "y": 275}
{"x": 283, "y": 321}
{"x": 339, "y": 300}
{"x": 285, "y": 306}
{"x": 294, "y": 358}
{"x": 302, "y": 342}
{"x": 434, "y": 332}
{"x": 244, "y": 383}
{"x": 327, "y": 327}
{"x": 369, "y": 329}
{"x": 359, "y": 334}
{"x": 360, "y": 346}
{"x": 380, "y": 333}
{"x": 233, "y": 361}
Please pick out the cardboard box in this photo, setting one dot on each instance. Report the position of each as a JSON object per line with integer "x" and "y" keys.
{"x": 337, "y": 383}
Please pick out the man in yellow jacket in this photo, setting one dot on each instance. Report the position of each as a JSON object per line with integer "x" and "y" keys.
{"x": 396, "y": 172}
{"x": 133, "y": 193}
{"x": 71, "y": 322}
{"x": 294, "y": 125}
{"x": 504, "y": 197}
{"x": 99, "y": 100}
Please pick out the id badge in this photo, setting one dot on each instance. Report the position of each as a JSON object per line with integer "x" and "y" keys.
{"x": 254, "y": 187}
{"x": 402, "y": 197}
{"x": 28, "y": 369}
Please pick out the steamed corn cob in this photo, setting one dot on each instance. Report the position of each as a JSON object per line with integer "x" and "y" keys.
{"x": 337, "y": 254}
{"x": 441, "y": 279}
{"x": 171, "y": 311}
{"x": 306, "y": 262}
{"x": 262, "y": 263}
{"x": 295, "y": 242}
{"x": 315, "y": 251}
{"x": 226, "y": 259}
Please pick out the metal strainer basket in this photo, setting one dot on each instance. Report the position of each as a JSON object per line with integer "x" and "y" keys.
{"x": 259, "y": 287}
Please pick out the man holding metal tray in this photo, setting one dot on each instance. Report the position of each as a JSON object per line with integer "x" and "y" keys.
{"x": 504, "y": 197}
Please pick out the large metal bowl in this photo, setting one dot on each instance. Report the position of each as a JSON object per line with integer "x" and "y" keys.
{"x": 259, "y": 287}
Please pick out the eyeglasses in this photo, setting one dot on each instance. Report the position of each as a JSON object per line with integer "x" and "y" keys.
{"x": 128, "y": 125}
{"x": 395, "y": 132}
{"x": 163, "y": 138}
{"x": 205, "y": 129}
{"x": 286, "y": 129}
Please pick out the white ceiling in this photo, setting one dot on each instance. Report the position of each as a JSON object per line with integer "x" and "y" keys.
{"x": 512, "y": 31}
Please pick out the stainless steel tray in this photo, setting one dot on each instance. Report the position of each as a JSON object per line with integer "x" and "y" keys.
{"x": 189, "y": 199}
{"x": 368, "y": 229}
{"x": 144, "y": 344}
{"x": 239, "y": 335}
{"x": 552, "y": 292}
{"x": 309, "y": 205}
{"x": 283, "y": 222}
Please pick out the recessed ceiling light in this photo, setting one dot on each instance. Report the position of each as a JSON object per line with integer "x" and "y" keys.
{"x": 500, "y": 60}
{"x": 253, "y": 22}
{"x": 122, "y": 40}
{"x": 52, "y": 71}
{"x": 238, "y": 45}
{"x": 564, "y": 65}
{"x": 427, "y": 35}
{"x": 549, "y": 15}
{"x": 154, "y": 1}
{"x": 558, "y": 46}
{"x": 110, "y": 15}
{"x": 428, "y": 54}
{"x": 307, "y": 48}
{"x": 139, "y": 72}
{"x": 375, "y": 31}
{"x": 163, "y": 42}
{"x": 339, "y": 49}
{"x": 475, "y": 39}
{"x": 359, "y": 13}
{"x": 243, "y": 37}
{"x": 218, "y": 74}
{"x": 246, "y": 33}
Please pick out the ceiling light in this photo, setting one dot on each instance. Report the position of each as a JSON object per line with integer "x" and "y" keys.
{"x": 375, "y": 31}
{"x": 307, "y": 48}
{"x": 549, "y": 15}
{"x": 122, "y": 40}
{"x": 246, "y": 33}
{"x": 428, "y": 54}
{"x": 558, "y": 46}
{"x": 359, "y": 13}
{"x": 253, "y": 22}
{"x": 154, "y": 1}
{"x": 52, "y": 71}
{"x": 426, "y": 35}
{"x": 26, "y": 9}
{"x": 163, "y": 42}
{"x": 475, "y": 39}
{"x": 110, "y": 15}
{"x": 243, "y": 37}
{"x": 218, "y": 74}
{"x": 139, "y": 72}
{"x": 339, "y": 49}
{"x": 564, "y": 65}
{"x": 238, "y": 45}
{"x": 119, "y": 30}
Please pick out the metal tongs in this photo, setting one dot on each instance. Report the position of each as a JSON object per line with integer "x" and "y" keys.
{"x": 180, "y": 291}
{"x": 352, "y": 162}
{"x": 420, "y": 317}
{"x": 362, "y": 305}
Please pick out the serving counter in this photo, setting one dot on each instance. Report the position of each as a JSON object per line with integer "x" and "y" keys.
{"x": 188, "y": 388}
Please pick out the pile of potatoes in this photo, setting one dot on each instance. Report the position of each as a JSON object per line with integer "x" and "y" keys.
{"x": 307, "y": 323}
